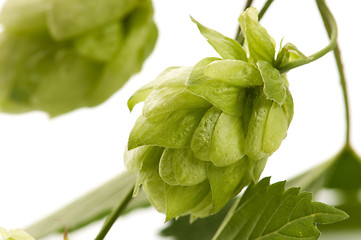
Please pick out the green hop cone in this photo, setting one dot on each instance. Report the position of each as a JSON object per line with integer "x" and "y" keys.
{"x": 207, "y": 131}
{"x": 14, "y": 234}
{"x": 60, "y": 55}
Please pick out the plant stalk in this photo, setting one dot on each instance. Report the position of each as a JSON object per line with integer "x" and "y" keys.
{"x": 264, "y": 9}
{"x": 239, "y": 37}
{"x": 113, "y": 216}
{"x": 337, "y": 54}
{"x": 332, "y": 28}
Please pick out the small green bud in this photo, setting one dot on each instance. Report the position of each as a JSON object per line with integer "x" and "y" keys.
{"x": 207, "y": 131}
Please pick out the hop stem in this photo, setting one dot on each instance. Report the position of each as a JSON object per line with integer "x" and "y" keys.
{"x": 337, "y": 54}
{"x": 264, "y": 9}
{"x": 113, "y": 216}
{"x": 332, "y": 29}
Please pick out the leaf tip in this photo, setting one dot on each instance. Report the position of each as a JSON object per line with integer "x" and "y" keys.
{"x": 130, "y": 104}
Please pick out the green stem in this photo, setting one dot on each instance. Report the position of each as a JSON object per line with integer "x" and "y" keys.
{"x": 337, "y": 54}
{"x": 264, "y": 9}
{"x": 327, "y": 15}
{"x": 113, "y": 216}
{"x": 239, "y": 36}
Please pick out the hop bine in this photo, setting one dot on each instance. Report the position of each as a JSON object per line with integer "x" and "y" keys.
{"x": 207, "y": 131}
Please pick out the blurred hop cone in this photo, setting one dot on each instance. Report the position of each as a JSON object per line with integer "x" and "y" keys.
{"x": 14, "y": 234}
{"x": 60, "y": 55}
{"x": 206, "y": 131}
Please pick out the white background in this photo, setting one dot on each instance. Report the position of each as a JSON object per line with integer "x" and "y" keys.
{"x": 46, "y": 163}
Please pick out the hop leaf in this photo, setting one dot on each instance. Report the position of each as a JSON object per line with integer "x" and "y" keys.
{"x": 269, "y": 212}
{"x": 58, "y": 56}
{"x": 206, "y": 131}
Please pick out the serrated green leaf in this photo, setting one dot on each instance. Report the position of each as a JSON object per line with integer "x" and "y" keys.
{"x": 235, "y": 72}
{"x": 260, "y": 45}
{"x": 339, "y": 175}
{"x": 228, "y": 98}
{"x": 64, "y": 21}
{"x": 227, "y": 141}
{"x": 226, "y": 47}
{"x": 270, "y": 212}
{"x": 353, "y": 208}
{"x": 174, "y": 129}
{"x": 274, "y": 84}
{"x": 343, "y": 172}
{"x": 90, "y": 207}
{"x": 346, "y": 171}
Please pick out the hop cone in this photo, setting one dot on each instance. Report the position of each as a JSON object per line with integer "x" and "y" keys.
{"x": 206, "y": 131}
{"x": 60, "y": 55}
{"x": 14, "y": 234}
